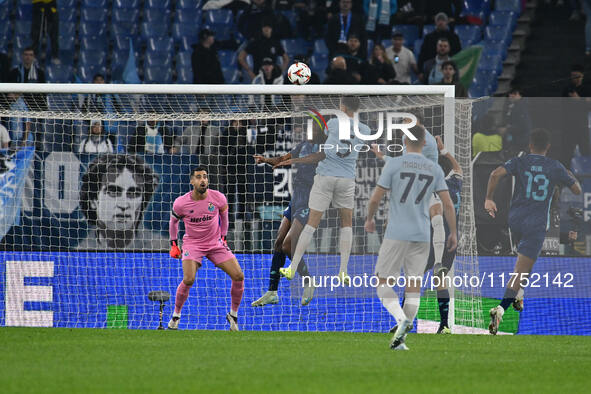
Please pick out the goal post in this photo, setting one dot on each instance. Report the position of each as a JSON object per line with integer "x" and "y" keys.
{"x": 157, "y": 133}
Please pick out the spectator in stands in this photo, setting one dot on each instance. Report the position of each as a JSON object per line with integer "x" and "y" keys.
{"x": 114, "y": 194}
{"x": 430, "y": 8}
{"x": 380, "y": 69}
{"x": 488, "y": 138}
{"x": 338, "y": 74}
{"x": 261, "y": 48}
{"x": 312, "y": 18}
{"x": 575, "y": 116}
{"x": 341, "y": 25}
{"x": 516, "y": 121}
{"x": 206, "y": 65}
{"x": 258, "y": 13}
{"x": 30, "y": 72}
{"x": 97, "y": 141}
{"x": 201, "y": 138}
{"x": 152, "y": 138}
{"x": 451, "y": 76}
{"x": 379, "y": 13}
{"x": 402, "y": 58}
{"x": 270, "y": 74}
{"x": 432, "y": 72}
{"x": 4, "y": 138}
{"x": 45, "y": 20}
{"x": 429, "y": 47}
{"x": 356, "y": 63}
{"x": 101, "y": 103}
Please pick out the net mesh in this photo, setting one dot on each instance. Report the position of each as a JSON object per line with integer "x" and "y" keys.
{"x": 100, "y": 173}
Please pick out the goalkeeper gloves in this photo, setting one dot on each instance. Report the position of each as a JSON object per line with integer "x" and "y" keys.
{"x": 175, "y": 252}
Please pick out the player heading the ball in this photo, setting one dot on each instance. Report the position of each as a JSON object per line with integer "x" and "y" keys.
{"x": 205, "y": 213}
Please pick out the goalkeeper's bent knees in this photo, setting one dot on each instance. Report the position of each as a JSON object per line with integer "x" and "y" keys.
{"x": 238, "y": 277}
{"x": 188, "y": 281}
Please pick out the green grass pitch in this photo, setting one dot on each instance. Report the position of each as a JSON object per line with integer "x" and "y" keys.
{"x": 86, "y": 360}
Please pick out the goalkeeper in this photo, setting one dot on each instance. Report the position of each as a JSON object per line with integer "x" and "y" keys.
{"x": 305, "y": 156}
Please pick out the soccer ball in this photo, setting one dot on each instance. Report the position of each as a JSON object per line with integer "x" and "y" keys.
{"x": 299, "y": 73}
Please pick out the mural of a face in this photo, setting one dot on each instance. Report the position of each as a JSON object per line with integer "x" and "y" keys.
{"x": 119, "y": 202}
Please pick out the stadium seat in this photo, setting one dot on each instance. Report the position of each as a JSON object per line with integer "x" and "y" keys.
{"x": 24, "y": 12}
{"x": 222, "y": 32}
{"x": 369, "y": 46}
{"x": 320, "y": 47}
{"x": 5, "y": 33}
{"x": 186, "y": 43}
{"x": 90, "y": 58}
{"x": 22, "y": 28}
{"x": 491, "y": 63}
{"x": 96, "y": 29}
{"x": 498, "y": 33}
{"x": 231, "y": 75}
{"x": 86, "y": 73}
{"x": 59, "y": 74}
{"x": 157, "y": 16}
{"x": 125, "y": 15}
{"x": 410, "y": 33}
{"x": 66, "y": 42}
{"x": 121, "y": 43}
{"x": 187, "y": 4}
{"x": 227, "y": 58}
{"x": 119, "y": 59}
{"x": 4, "y": 13}
{"x": 508, "y": 5}
{"x": 218, "y": 17}
{"x": 157, "y": 4}
{"x": 184, "y": 75}
{"x": 126, "y": 4}
{"x": 20, "y": 42}
{"x": 157, "y": 75}
{"x": 94, "y": 3}
{"x": 428, "y": 29}
{"x": 62, "y": 4}
{"x": 416, "y": 49}
{"x": 93, "y": 14}
{"x": 188, "y": 16}
{"x": 162, "y": 59}
{"x": 503, "y": 18}
{"x": 124, "y": 29}
{"x": 184, "y": 59}
{"x": 160, "y": 44}
{"x": 67, "y": 28}
{"x": 318, "y": 63}
{"x": 90, "y": 44}
{"x": 150, "y": 29}
{"x": 294, "y": 46}
{"x": 67, "y": 15}
{"x": 468, "y": 34}
{"x": 180, "y": 30}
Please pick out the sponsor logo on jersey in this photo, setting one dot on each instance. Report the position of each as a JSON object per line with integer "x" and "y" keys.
{"x": 210, "y": 207}
{"x": 201, "y": 219}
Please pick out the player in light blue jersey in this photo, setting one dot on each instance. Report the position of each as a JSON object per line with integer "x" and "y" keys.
{"x": 431, "y": 152}
{"x": 334, "y": 183}
{"x": 411, "y": 179}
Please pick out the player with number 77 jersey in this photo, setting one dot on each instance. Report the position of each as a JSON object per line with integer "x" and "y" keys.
{"x": 536, "y": 177}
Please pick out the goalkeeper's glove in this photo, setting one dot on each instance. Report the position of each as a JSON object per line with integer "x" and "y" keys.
{"x": 175, "y": 252}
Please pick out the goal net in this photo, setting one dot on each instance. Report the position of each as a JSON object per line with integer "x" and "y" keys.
{"x": 91, "y": 172}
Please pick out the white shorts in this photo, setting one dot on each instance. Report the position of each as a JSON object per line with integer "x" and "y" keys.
{"x": 434, "y": 200}
{"x": 327, "y": 189}
{"x": 408, "y": 255}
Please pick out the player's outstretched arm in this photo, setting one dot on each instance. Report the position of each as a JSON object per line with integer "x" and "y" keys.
{"x": 443, "y": 152}
{"x": 372, "y": 208}
{"x": 310, "y": 159}
{"x": 489, "y": 205}
{"x": 271, "y": 160}
{"x": 575, "y": 187}
{"x": 450, "y": 218}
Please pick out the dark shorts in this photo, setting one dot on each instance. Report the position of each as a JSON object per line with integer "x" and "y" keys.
{"x": 298, "y": 206}
{"x": 529, "y": 238}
